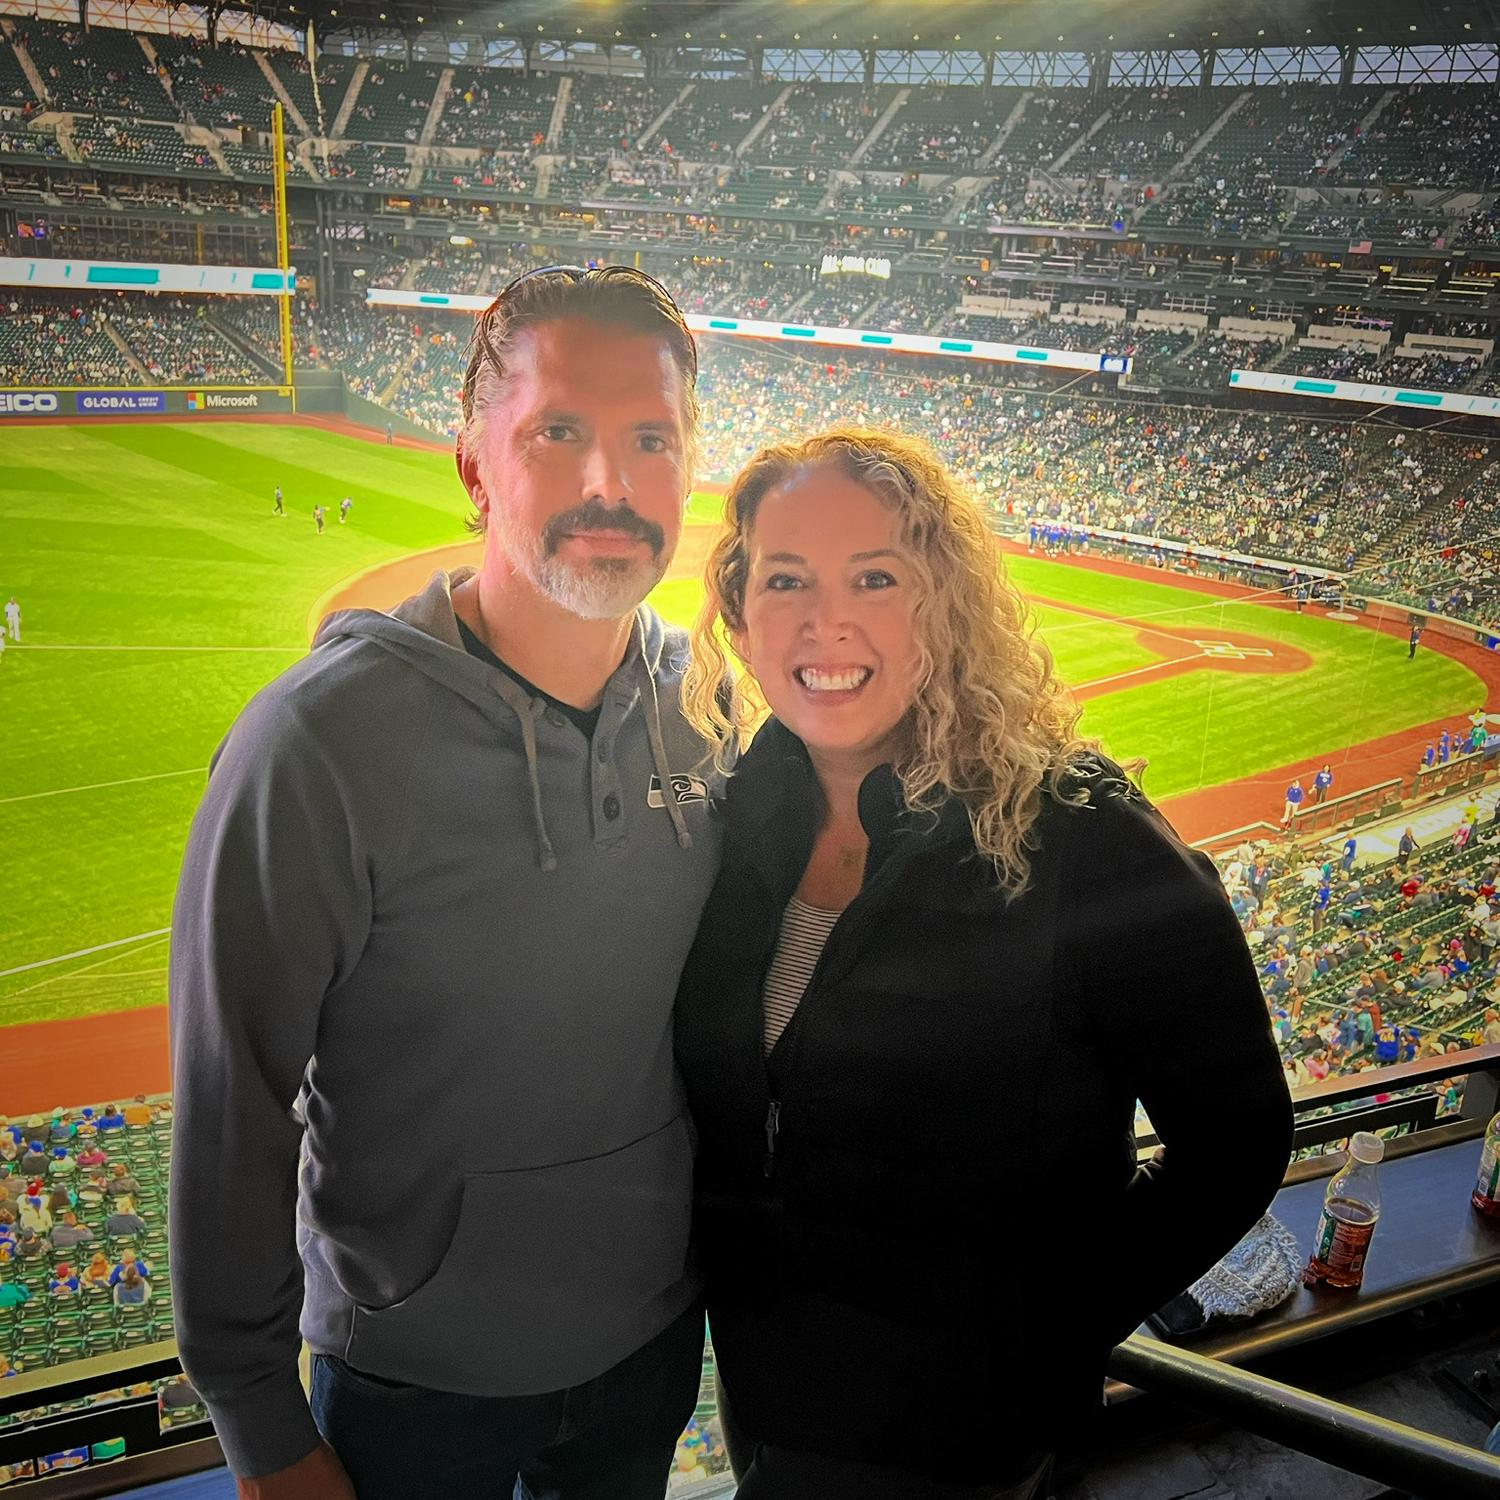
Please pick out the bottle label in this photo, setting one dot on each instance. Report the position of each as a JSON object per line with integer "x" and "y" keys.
{"x": 1342, "y": 1246}
{"x": 1489, "y": 1171}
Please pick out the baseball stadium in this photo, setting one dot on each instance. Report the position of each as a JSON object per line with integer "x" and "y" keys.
{"x": 1200, "y": 303}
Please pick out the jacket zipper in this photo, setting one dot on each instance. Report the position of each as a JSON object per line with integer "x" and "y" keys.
{"x": 773, "y": 1125}
{"x": 862, "y": 901}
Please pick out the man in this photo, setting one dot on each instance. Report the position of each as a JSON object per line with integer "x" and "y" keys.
{"x": 1294, "y": 798}
{"x": 319, "y": 511}
{"x": 1414, "y": 639}
{"x": 1406, "y": 847}
{"x": 71, "y": 1232}
{"x": 123, "y": 1220}
{"x": 345, "y": 506}
{"x": 1350, "y": 854}
{"x": 447, "y": 852}
{"x": 280, "y": 509}
{"x": 13, "y": 619}
{"x": 1322, "y": 782}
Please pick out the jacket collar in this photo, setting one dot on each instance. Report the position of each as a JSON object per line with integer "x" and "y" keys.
{"x": 774, "y": 805}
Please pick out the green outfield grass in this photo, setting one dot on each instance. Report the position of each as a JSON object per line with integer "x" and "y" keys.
{"x": 160, "y": 540}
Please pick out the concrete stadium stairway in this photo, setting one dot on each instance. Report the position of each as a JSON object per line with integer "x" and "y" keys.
{"x": 1198, "y": 146}
{"x": 758, "y": 129}
{"x": 880, "y": 127}
{"x": 1359, "y": 131}
{"x": 655, "y": 127}
{"x": 434, "y": 114}
{"x": 278, "y": 88}
{"x": 560, "y": 107}
{"x": 351, "y": 98}
{"x": 1406, "y": 538}
{"x": 967, "y": 187}
{"x": 1057, "y": 167}
{"x": 28, "y": 67}
{"x": 118, "y": 340}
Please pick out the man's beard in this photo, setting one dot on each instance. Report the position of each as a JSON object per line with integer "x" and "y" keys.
{"x": 604, "y": 588}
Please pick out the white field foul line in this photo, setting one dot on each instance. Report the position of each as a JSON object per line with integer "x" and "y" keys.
{"x": 94, "y": 786}
{"x": 85, "y": 972}
{"x": 1154, "y": 666}
{"x": 62, "y": 958}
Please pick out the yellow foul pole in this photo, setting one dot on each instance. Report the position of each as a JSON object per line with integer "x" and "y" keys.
{"x": 283, "y": 240}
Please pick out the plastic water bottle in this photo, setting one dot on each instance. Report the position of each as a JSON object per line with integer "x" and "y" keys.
{"x": 1350, "y": 1208}
{"x": 1487, "y": 1190}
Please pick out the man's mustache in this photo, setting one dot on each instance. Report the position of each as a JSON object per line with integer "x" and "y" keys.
{"x": 594, "y": 515}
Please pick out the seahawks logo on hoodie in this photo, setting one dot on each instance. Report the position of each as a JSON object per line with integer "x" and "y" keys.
{"x": 685, "y": 789}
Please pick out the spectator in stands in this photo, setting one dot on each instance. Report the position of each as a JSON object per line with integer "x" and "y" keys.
{"x": 130, "y": 1264}
{"x": 132, "y": 1289}
{"x": 31, "y": 1245}
{"x": 34, "y": 1159}
{"x": 1492, "y": 1028}
{"x": 577, "y": 451}
{"x": 64, "y": 1282}
{"x": 138, "y": 1113}
{"x": 111, "y": 1120}
{"x": 853, "y": 567}
{"x": 1322, "y": 782}
{"x": 12, "y": 1294}
{"x": 93, "y": 1192}
{"x": 92, "y": 1156}
{"x": 123, "y": 1220}
{"x": 97, "y": 1273}
{"x": 35, "y": 1213}
{"x": 11, "y": 1184}
{"x": 121, "y": 1183}
{"x": 72, "y": 1231}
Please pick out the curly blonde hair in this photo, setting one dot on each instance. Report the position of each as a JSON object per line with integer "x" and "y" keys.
{"x": 991, "y": 723}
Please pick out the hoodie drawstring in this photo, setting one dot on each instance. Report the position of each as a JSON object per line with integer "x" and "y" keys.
{"x": 546, "y": 857}
{"x": 652, "y": 712}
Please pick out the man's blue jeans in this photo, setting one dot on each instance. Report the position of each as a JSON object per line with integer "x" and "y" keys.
{"x": 611, "y": 1438}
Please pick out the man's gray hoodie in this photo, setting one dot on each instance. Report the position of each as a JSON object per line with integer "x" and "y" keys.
{"x": 424, "y": 954}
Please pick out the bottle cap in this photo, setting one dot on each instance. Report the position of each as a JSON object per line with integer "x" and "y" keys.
{"x": 1366, "y": 1147}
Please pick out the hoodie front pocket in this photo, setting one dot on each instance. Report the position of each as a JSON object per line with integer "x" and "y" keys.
{"x": 551, "y": 1270}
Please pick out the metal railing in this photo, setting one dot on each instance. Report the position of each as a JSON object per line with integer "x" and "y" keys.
{"x": 1356, "y": 1441}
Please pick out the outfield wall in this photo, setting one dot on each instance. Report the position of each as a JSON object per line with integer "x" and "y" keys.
{"x": 70, "y": 402}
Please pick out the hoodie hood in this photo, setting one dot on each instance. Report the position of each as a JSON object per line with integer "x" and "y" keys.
{"x": 423, "y": 632}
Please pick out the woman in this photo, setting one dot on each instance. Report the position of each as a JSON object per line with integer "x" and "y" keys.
{"x": 96, "y": 1273}
{"x": 950, "y": 948}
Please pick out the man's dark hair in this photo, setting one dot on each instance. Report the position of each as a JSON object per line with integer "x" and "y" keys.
{"x": 619, "y": 296}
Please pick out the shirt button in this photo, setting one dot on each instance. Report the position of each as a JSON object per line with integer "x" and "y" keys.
{"x": 601, "y": 751}
{"x": 555, "y": 717}
{"x": 611, "y": 807}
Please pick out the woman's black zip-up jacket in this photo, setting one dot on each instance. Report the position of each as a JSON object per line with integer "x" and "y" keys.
{"x": 921, "y": 1218}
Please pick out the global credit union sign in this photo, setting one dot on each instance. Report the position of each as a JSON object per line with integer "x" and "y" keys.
{"x": 121, "y": 401}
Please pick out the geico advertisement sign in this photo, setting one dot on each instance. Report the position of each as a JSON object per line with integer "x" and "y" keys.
{"x": 223, "y": 400}
{"x": 28, "y": 404}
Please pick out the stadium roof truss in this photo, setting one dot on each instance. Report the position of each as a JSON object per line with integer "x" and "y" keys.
{"x": 983, "y": 25}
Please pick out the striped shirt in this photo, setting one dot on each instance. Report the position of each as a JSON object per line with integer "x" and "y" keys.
{"x": 799, "y": 945}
